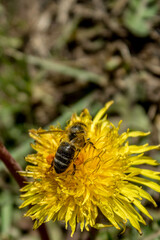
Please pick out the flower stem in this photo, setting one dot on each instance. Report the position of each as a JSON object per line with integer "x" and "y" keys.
{"x": 14, "y": 168}
{"x": 12, "y": 165}
{"x": 90, "y": 235}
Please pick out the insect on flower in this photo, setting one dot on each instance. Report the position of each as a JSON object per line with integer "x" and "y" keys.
{"x": 107, "y": 178}
{"x": 68, "y": 150}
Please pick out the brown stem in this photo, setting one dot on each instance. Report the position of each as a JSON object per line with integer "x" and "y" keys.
{"x": 91, "y": 235}
{"x": 43, "y": 232}
{"x": 14, "y": 167}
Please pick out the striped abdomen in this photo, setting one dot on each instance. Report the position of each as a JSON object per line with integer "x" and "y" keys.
{"x": 64, "y": 156}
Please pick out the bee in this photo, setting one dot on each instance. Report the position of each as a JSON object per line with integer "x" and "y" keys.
{"x": 69, "y": 149}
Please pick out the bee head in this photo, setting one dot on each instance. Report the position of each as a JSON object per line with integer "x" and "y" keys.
{"x": 76, "y": 130}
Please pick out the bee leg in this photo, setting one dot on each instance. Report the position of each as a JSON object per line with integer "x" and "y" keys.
{"x": 74, "y": 165}
{"x": 51, "y": 166}
{"x": 74, "y": 169}
{"x": 88, "y": 141}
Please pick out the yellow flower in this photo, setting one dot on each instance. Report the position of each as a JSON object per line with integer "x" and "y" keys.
{"x": 105, "y": 178}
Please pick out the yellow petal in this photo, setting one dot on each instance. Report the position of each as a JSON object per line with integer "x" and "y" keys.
{"x": 69, "y": 211}
{"x": 101, "y": 113}
{"x": 131, "y": 214}
{"x": 145, "y": 172}
{"x": 142, "y": 208}
{"x": 72, "y": 222}
{"x": 141, "y": 149}
{"x": 138, "y": 160}
{"x": 146, "y": 195}
{"x": 145, "y": 182}
{"x": 101, "y": 225}
{"x": 107, "y": 211}
{"x": 137, "y": 134}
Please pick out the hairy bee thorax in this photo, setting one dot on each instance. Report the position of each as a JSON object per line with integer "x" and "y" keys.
{"x": 77, "y": 134}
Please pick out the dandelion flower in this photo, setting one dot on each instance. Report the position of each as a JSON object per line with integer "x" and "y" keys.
{"x": 106, "y": 178}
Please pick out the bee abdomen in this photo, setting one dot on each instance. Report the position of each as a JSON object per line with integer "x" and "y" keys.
{"x": 64, "y": 156}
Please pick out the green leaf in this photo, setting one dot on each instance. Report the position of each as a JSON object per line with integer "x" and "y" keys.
{"x": 6, "y": 212}
{"x": 138, "y": 119}
{"x": 138, "y": 17}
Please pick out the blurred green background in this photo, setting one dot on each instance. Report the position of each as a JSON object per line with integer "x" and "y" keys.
{"x": 58, "y": 57}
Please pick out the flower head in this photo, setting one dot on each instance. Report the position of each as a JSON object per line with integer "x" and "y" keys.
{"x": 102, "y": 176}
